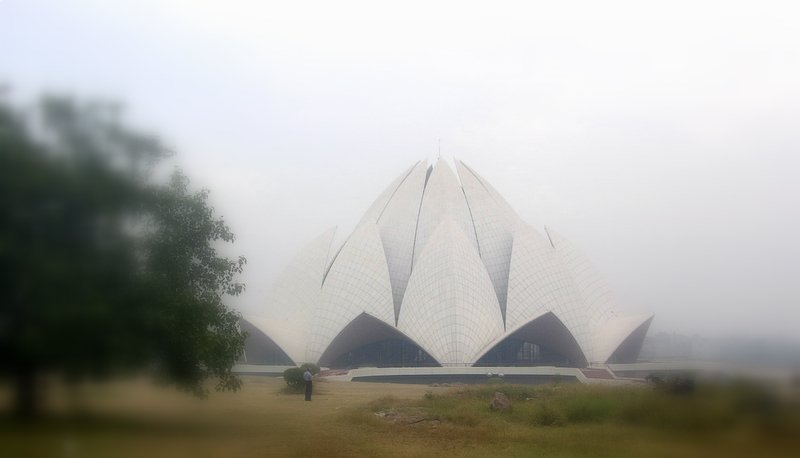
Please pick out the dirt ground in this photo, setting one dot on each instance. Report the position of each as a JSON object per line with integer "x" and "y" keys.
{"x": 138, "y": 419}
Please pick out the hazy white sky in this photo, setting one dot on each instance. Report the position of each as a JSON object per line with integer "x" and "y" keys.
{"x": 661, "y": 137}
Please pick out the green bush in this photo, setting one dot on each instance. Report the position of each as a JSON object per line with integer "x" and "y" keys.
{"x": 294, "y": 375}
{"x": 294, "y": 378}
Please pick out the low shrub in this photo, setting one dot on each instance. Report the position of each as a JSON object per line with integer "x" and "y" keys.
{"x": 294, "y": 376}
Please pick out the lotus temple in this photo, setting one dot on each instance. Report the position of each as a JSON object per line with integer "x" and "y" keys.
{"x": 441, "y": 272}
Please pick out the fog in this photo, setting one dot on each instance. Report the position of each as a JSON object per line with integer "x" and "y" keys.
{"x": 662, "y": 140}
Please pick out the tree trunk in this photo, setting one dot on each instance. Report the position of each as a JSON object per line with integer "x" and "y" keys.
{"x": 26, "y": 400}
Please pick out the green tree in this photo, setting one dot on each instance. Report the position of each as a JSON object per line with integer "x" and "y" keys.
{"x": 103, "y": 269}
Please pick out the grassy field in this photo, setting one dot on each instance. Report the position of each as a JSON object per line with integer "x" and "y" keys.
{"x": 134, "y": 419}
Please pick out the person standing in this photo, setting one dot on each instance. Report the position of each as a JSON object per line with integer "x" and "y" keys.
{"x": 307, "y": 377}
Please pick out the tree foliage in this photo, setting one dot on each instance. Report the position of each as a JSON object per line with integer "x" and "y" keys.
{"x": 103, "y": 269}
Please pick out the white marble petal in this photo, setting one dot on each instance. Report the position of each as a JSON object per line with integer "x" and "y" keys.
{"x": 357, "y": 282}
{"x": 286, "y": 316}
{"x": 450, "y": 307}
{"x": 398, "y": 229}
{"x": 443, "y": 199}
{"x": 493, "y": 228}
{"x": 539, "y": 282}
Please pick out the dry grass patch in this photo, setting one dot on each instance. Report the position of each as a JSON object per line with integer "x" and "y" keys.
{"x": 364, "y": 419}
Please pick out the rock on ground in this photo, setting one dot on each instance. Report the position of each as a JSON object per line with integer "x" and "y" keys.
{"x": 500, "y": 402}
